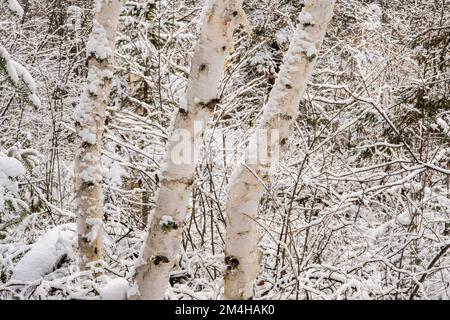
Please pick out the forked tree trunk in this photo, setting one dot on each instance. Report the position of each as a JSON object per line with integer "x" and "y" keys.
{"x": 89, "y": 120}
{"x": 242, "y": 257}
{"x": 219, "y": 18}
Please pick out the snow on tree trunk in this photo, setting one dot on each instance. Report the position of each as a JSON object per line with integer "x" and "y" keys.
{"x": 242, "y": 258}
{"x": 90, "y": 119}
{"x": 218, "y": 21}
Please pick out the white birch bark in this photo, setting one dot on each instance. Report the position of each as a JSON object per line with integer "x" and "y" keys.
{"x": 218, "y": 20}
{"x": 242, "y": 257}
{"x": 89, "y": 120}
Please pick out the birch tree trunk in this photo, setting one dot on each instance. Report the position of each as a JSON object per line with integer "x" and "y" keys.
{"x": 218, "y": 20}
{"x": 242, "y": 258}
{"x": 89, "y": 120}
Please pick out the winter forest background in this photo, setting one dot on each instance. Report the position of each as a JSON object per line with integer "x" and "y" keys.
{"x": 357, "y": 208}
